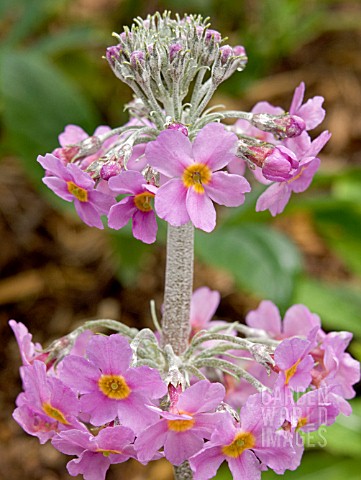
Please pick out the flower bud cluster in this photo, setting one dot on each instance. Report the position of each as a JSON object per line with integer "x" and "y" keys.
{"x": 106, "y": 399}
{"x": 159, "y": 58}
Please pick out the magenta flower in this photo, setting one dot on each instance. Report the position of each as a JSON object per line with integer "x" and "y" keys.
{"x": 294, "y": 362}
{"x": 47, "y": 406}
{"x": 276, "y": 197}
{"x": 247, "y": 448}
{"x": 74, "y": 185}
{"x": 95, "y": 454}
{"x": 194, "y": 177}
{"x": 109, "y": 387}
{"x": 298, "y": 320}
{"x": 137, "y": 206}
{"x": 182, "y": 430}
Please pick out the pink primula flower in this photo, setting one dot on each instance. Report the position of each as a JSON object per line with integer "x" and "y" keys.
{"x": 194, "y": 177}
{"x": 248, "y": 447}
{"x": 276, "y": 197}
{"x": 109, "y": 387}
{"x": 294, "y": 362}
{"x": 182, "y": 429}
{"x": 46, "y": 406}
{"x": 136, "y": 206}
{"x": 95, "y": 454}
{"x": 74, "y": 185}
{"x": 298, "y": 320}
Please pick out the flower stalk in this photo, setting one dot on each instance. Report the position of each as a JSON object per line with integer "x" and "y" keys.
{"x": 178, "y": 287}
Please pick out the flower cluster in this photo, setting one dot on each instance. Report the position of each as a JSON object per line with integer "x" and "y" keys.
{"x": 173, "y": 159}
{"x": 105, "y": 399}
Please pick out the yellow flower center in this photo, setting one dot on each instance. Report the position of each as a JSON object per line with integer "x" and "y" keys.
{"x": 80, "y": 193}
{"x": 181, "y": 425}
{"x": 106, "y": 453}
{"x": 54, "y": 413}
{"x": 242, "y": 441}
{"x": 114, "y": 386}
{"x": 301, "y": 422}
{"x": 197, "y": 175}
{"x": 291, "y": 371}
{"x": 142, "y": 201}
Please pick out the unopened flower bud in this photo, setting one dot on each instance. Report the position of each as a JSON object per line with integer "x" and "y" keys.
{"x": 89, "y": 146}
{"x": 110, "y": 169}
{"x": 213, "y": 35}
{"x": 137, "y": 58}
{"x": 279, "y": 163}
{"x": 113, "y": 53}
{"x": 174, "y": 48}
{"x": 280, "y": 125}
{"x": 226, "y": 52}
{"x": 67, "y": 154}
{"x": 178, "y": 126}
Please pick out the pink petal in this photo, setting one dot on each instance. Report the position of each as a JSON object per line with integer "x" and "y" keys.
{"x": 81, "y": 178}
{"x": 297, "y": 99}
{"x": 93, "y": 466}
{"x": 206, "y": 463}
{"x": 88, "y": 214}
{"x": 170, "y": 202}
{"x": 318, "y": 143}
{"x": 170, "y": 154}
{"x": 299, "y": 321}
{"x": 101, "y": 201}
{"x": 274, "y": 199}
{"x": 203, "y": 306}
{"x": 146, "y": 381}
{"x": 59, "y": 187}
{"x": 150, "y": 440}
{"x": 201, "y": 210}
{"x": 227, "y": 189}
{"x": 71, "y": 135}
{"x": 145, "y": 226}
{"x": 246, "y": 466}
{"x": 203, "y": 396}
{"x": 265, "y": 107}
{"x": 267, "y": 317}
{"x": 127, "y": 182}
{"x": 304, "y": 175}
{"x": 79, "y": 374}
{"x": 214, "y": 146}
{"x": 312, "y": 112}
{"x": 179, "y": 446}
{"x": 121, "y": 213}
{"x": 112, "y": 354}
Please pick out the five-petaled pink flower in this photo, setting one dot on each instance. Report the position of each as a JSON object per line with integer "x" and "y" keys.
{"x": 194, "y": 177}
{"x": 136, "y": 206}
{"x": 109, "y": 388}
{"x": 74, "y": 185}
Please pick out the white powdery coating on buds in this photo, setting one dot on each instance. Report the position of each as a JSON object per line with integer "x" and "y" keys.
{"x": 137, "y": 58}
{"x": 174, "y": 48}
{"x": 282, "y": 126}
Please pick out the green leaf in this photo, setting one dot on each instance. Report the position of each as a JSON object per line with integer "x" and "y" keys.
{"x": 261, "y": 260}
{"x": 38, "y": 101}
{"x": 338, "y": 304}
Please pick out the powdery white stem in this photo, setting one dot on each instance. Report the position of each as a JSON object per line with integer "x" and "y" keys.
{"x": 178, "y": 287}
